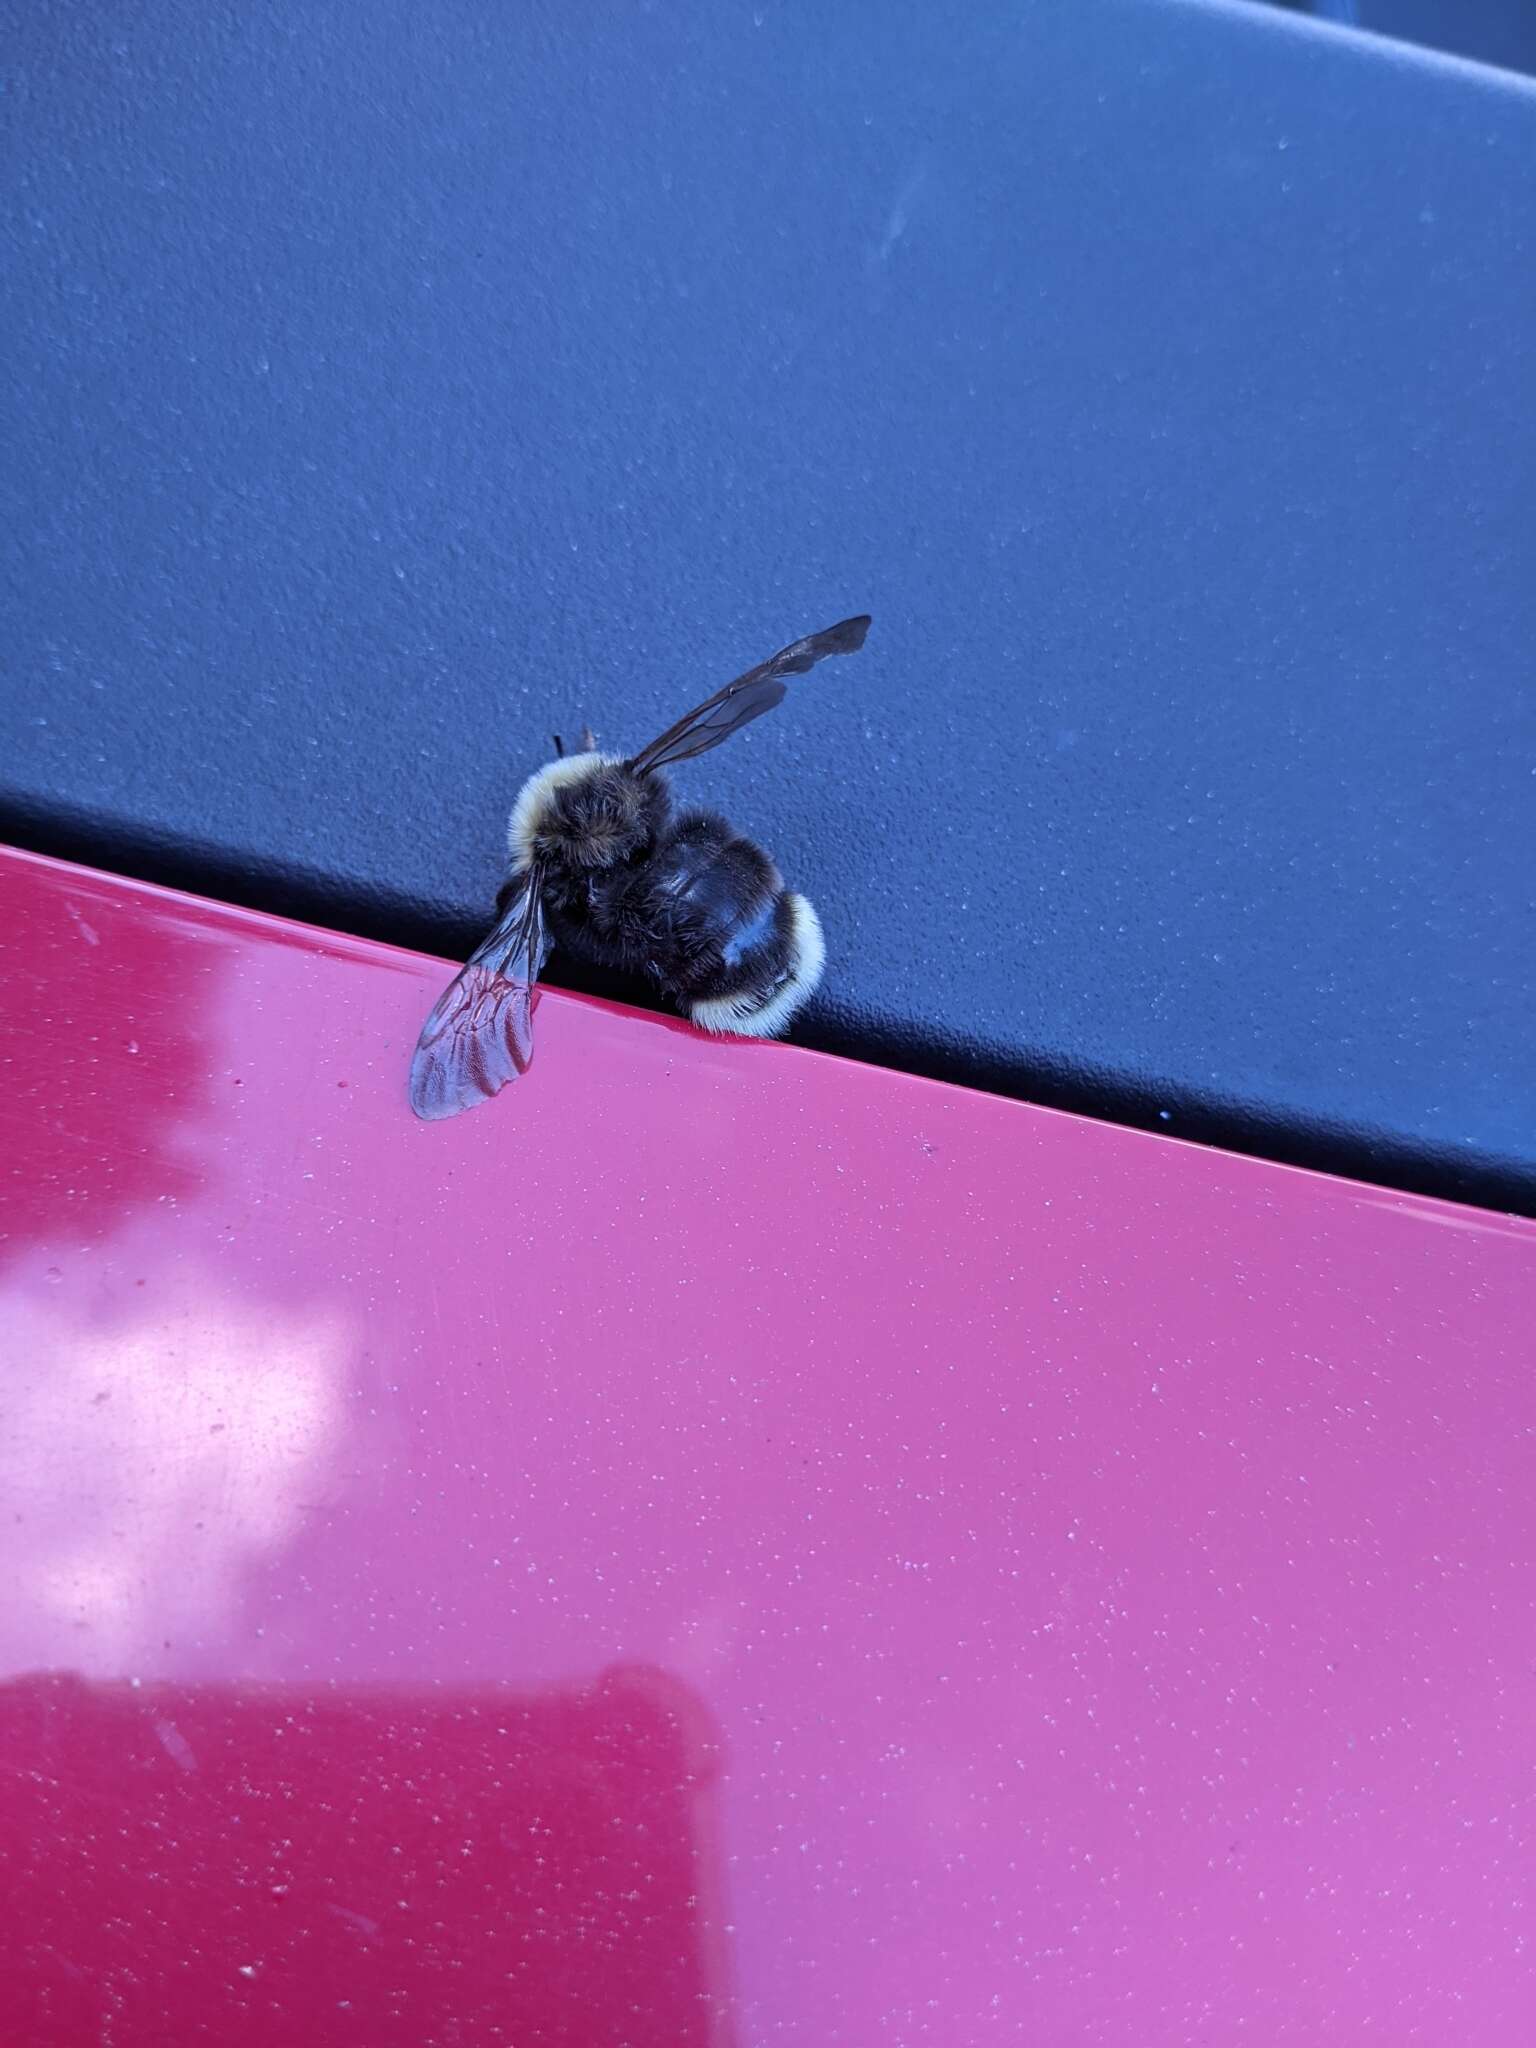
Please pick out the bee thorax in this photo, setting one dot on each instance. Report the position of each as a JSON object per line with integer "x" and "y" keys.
{"x": 586, "y": 811}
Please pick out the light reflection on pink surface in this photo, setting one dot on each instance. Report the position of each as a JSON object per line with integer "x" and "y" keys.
{"x": 191, "y": 1435}
{"x": 1108, "y": 1564}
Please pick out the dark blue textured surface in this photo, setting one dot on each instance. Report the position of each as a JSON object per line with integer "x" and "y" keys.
{"x": 390, "y": 385}
{"x": 1499, "y": 32}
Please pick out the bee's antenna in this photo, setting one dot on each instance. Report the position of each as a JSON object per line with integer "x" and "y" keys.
{"x": 588, "y": 740}
{"x": 559, "y": 746}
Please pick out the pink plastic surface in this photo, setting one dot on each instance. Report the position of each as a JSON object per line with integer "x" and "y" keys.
{"x": 722, "y": 1545}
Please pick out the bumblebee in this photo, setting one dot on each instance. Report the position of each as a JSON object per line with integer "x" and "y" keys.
{"x": 603, "y": 865}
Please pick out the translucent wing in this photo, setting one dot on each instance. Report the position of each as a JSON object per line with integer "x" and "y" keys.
{"x": 480, "y": 1033}
{"x": 749, "y": 696}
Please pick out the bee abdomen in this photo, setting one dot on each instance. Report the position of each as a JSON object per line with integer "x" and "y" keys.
{"x": 770, "y": 975}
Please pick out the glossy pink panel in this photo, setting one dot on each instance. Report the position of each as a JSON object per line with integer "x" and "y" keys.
{"x": 722, "y": 1545}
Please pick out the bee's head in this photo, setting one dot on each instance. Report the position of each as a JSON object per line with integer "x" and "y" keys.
{"x": 586, "y": 811}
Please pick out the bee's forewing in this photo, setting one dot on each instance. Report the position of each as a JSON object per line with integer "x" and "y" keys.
{"x": 707, "y": 724}
{"x": 479, "y": 1035}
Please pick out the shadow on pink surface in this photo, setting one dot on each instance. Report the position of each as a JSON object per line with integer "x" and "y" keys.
{"x": 276, "y": 1863}
{"x": 111, "y": 1021}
